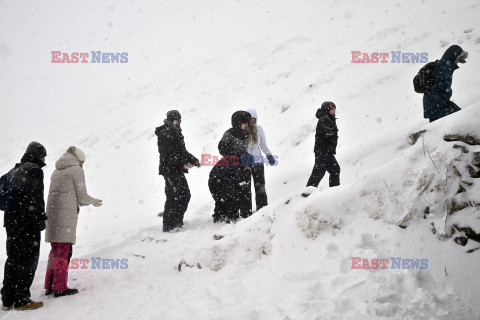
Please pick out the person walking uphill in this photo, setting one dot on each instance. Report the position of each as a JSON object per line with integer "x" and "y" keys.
{"x": 24, "y": 220}
{"x": 229, "y": 181}
{"x": 175, "y": 160}
{"x": 257, "y": 144}
{"x": 436, "y": 102}
{"x": 326, "y": 137}
{"x": 68, "y": 192}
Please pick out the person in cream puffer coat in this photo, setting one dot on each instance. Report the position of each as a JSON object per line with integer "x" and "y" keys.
{"x": 67, "y": 193}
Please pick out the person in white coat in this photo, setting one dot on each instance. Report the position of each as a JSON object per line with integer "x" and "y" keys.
{"x": 257, "y": 145}
{"x": 67, "y": 193}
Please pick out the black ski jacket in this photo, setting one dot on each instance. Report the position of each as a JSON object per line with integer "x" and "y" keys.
{"x": 436, "y": 102}
{"x": 26, "y": 209}
{"x": 326, "y": 135}
{"x": 171, "y": 146}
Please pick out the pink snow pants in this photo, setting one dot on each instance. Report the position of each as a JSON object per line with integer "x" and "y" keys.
{"x": 57, "y": 268}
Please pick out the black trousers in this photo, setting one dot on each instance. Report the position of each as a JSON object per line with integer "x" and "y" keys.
{"x": 232, "y": 200}
{"x": 176, "y": 204}
{"x": 258, "y": 175}
{"x": 325, "y": 162}
{"x": 245, "y": 193}
{"x": 23, "y": 251}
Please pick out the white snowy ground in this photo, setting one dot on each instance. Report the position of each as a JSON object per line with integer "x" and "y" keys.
{"x": 209, "y": 59}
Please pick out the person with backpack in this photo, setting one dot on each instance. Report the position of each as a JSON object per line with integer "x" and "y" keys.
{"x": 437, "y": 84}
{"x": 175, "y": 161}
{"x": 257, "y": 143}
{"x": 24, "y": 220}
{"x": 229, "y": 180}
{"x": 68, "y": 192}
{"x": 326, "y": 137}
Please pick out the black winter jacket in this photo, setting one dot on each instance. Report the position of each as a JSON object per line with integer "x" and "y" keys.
{"x": 234, "y": 142}
{"x": 26, "y": 209}
{"x": 171, "y": 146}
{"x": 233, "y": 147}
{"x": 436, "y": 102}
{"x": 326, "y": 135}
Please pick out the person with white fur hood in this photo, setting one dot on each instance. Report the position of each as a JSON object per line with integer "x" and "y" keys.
{"x": 258, "y": 144}
{"x": 67, "y": 193}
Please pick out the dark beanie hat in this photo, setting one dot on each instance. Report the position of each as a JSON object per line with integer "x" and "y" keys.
{"x": 173, "y": 115}
{"x": 36, "y": 151}
{"x": 240, "y": 117}
{"x": 327, "y": 106}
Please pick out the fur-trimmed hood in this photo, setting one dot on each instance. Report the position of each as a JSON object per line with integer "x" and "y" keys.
{"x": 451, "y": 54}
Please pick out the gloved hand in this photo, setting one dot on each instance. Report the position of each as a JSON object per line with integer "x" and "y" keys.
{"x": 97, "y": 202}
{"x": 271, "y": 160}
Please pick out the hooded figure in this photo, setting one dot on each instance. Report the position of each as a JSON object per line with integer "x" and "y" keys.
{"x": 68, "y": 192}
{"x": 256, "y": 145}
{"x": 326, "y": 137}
{"x": 436, "y": 102}
{"x": 24, "y": 219}
{"x": 175, "y": 160}
{"x": 27, "y": 209}
{"x": 229, "y": 180}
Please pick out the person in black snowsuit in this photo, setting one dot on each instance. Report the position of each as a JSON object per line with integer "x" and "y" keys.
{"x": 436, "y": 102}
{"x": 326, "y": 137}
{"x": 175, "y": 160}
{"x": 229, "y": 180}
{"x": 24, "y": 220}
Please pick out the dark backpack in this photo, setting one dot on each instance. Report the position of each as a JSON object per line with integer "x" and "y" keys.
{"x": 424, "y": 80}
{"x": 4, "y": 192}
{"x": 7, "y": 192}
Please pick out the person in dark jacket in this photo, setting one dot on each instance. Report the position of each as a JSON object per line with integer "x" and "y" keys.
{"x": 229, "y": 181}
{"x": 24, "y": 220}
{"x": 175, "y": 160}
{"x": 326, "y": 137}
{"x": 436, "y": 102}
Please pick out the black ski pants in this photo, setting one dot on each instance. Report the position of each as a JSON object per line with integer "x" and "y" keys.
{"x": 258, "y": 175}
{"x": 178, "y": 196}
{"x": 23, "y": 251}
{"x": 232, "y": 199}
{"x": 325, "y": 162}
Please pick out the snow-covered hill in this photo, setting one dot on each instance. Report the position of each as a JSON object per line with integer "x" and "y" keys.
{"x": 291, "y": 260}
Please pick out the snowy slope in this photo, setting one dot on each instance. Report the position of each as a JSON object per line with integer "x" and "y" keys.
{"x": 209, "y": 59}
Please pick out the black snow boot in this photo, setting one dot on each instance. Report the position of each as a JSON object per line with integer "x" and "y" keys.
{"x": 67, "y": 292}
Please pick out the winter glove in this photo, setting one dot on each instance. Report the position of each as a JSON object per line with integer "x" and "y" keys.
{"x": 271, "y": 160}
{"x": 97, "y": 202}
